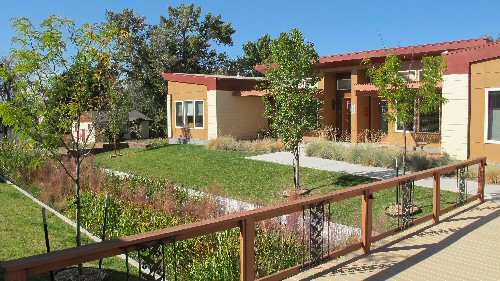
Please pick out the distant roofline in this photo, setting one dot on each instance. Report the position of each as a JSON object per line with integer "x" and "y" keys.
{"x": 417, "y": 51}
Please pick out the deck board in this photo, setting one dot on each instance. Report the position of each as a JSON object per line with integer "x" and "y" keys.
{"x": 465, "y": 245}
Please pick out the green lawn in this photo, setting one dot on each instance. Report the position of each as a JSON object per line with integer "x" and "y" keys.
{"x": 226, "y": 172}
{"x": 257, "y": 181}
{"x": 21, "y": 232}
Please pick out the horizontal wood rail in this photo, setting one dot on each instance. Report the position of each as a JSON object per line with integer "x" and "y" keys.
{"x": 19, "y": 269}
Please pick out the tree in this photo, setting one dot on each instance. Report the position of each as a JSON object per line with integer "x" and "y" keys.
{"x": 183, "y": 41}
{"x": 63, "y": 72}
{"x": 7, "y": 82}
{"x": 291, "y": 103}
{"x": 405, "y": 101}
{"x": 117, "y": 115}
{"x": 255, "y": 53}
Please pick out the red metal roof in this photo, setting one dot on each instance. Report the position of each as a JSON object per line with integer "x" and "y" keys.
{"x": 458, "y": 61}
{"x": 215, "y": 82}
{"x": 408, "y": 52}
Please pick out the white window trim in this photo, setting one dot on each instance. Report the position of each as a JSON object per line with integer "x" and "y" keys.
{"x": 183, "y": 116}
{"x": 400, "y": 131}
{"x": 194, "y": 112}
{"x": 486, "y": 101}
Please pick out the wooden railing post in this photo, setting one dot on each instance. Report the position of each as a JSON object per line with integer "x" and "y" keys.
{"x": 481, "y": 180}
{"x": 19, "y": 275}
{"x": 437, "y": 197}
{"x": 366, "y": 220}
{"x": 247, "y": 251}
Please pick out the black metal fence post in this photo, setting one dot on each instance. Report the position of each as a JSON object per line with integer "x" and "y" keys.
{"x": 46, "y": 231}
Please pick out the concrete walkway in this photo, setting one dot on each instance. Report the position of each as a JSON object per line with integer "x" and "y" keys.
{"x": 450, "y": 184}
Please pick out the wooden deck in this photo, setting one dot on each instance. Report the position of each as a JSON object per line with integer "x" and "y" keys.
{"x": 464, "y": 246}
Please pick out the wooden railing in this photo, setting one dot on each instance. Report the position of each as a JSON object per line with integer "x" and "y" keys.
{"x": 20, "y": 269}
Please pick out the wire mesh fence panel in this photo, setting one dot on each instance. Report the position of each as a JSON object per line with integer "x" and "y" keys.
{"x": 209, "y": 257}
{"x": 278, "y": 244}
{"x": 346, "y": 223}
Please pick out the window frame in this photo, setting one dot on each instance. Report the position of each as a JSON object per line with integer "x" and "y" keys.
{"x": 342, "y": 79}
{"x": 486, "y": 114}
{"x": 194, "y": 112}
{"x": 183, "y": 115}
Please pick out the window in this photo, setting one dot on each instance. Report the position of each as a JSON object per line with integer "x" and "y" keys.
{"x": 383, "y": 125}
{"x": 344, "y": 84}
{"x": 409, "y": 126}
{"x": 198, "y": 114}
{"x": 179, "y": 114}
{"x": 408, "y": 75}
{"x": 492, "y": 121}
{"x": 429, "y": 123}
{"x": 189, "y": 114}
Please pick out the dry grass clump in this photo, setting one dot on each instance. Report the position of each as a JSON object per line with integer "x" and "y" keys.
{"x": 231, "y": 144}
{"x": 492, "y": 173}
{"x": 374, "y": 155}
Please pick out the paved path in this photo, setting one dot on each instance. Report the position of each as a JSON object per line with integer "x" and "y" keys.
{"x": 463, "y": 246}
{"x": 491, "y": 191}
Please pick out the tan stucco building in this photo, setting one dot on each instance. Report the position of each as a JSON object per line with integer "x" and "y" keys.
{"x": 203, "y": 107}
{"x": 468, "y": 124}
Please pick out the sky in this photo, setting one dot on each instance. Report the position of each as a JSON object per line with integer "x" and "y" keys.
{"x": 333, "y": 26}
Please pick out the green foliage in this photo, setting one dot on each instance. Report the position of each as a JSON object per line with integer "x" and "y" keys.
{"x": 117, "y": 113}
{"x": 231, "y": 144}
{"x": 17, "y": 161}
{"x": 291, "y": 82}
{"x": 54, "y": 63}
{"x": 255, "y": 53}
{"x": 403, "y": 99}
{"x": 181, "y": 42}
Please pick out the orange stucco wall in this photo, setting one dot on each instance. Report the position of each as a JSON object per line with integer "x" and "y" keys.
{"x": 182, "y": 92}
{"x": 329, "y": 85}
{"x": 484, "y": 75}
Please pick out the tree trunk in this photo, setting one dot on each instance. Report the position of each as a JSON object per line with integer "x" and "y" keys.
{"x": 296, "y": 170}
{"x": 78, "y": 210}
{"x": 114, "y": 145}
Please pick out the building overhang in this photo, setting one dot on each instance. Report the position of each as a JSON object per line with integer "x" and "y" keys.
{"x": 215, "y": 82}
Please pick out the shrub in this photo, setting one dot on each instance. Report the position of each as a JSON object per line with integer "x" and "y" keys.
{"x": 17, "y": 161}
{"x": 259, "y": 145}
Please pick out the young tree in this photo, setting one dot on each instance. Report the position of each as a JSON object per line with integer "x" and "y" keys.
{"x": 403, "y": 99}
{"x": 63, "y": 72}
{"x": 291, "y": 102}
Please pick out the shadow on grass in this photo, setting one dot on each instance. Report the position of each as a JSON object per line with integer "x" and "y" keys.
{"x": 158, "y": 146}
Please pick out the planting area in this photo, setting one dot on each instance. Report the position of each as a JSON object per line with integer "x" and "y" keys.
{"x": 153, "y": 200}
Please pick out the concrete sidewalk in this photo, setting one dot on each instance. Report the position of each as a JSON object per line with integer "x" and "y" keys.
{"x": 492, "y": 191}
